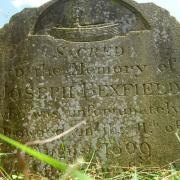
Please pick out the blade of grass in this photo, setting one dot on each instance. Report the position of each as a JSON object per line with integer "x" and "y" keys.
{"x": 5, "y": 173}
{"x": 45, "y": 158}
{"x": 135, "y": 175}
{"x": 177, "y": 134}
{"x": 5, "y": 154}
{"x": 90, "y": 161}
{"x": 71, "y": 169}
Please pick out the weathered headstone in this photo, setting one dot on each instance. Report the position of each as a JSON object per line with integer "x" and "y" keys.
{"x": 112, "y": 63}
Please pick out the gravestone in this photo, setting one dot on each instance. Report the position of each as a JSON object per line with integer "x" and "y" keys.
{"x": 112, "y": 63}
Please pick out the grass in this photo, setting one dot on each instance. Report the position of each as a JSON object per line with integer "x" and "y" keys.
{"x": 94, "y": 169}
{"x": 47, "y": 159}
{"x": 178, "y": 134}
{"x": 126, "y": 174}
{"x": 140, "y": 174}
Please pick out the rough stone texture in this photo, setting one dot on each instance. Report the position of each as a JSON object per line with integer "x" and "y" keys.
{"x": 114, "y": 64}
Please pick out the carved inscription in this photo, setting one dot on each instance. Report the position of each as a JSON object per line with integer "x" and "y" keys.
{"x": 113, "y": 64}
{"x": 95, "y": 52}
{"x": 77, "y": 69}
{"x": 91, "y": 90}
{"x": 119, "y": 89}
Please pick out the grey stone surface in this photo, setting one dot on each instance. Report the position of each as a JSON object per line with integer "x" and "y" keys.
{"x": 114, "y": 64}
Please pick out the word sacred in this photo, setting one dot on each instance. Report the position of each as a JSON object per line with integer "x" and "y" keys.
{"x": 84, "y": 52}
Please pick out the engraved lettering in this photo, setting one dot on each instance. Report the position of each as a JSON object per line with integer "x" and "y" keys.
{"x": 131, "y": 147}
{"x": 145, "y": 148}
